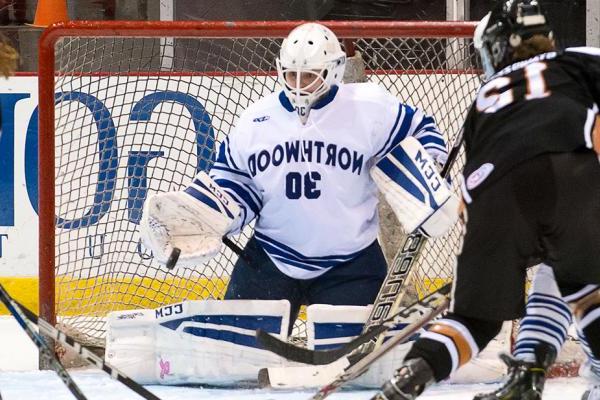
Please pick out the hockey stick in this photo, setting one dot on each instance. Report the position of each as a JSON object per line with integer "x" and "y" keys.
{"x": 360, "y": 366}
{"x": 321, "y": 357}
{"x": 85, "y": 353}
{"x": 392, "y": 290}
{"x": 174, "y": 256}
{"x": 45, "y": 351}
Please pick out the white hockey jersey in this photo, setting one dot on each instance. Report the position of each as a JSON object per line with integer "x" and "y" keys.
{"x": 308, "y": 186}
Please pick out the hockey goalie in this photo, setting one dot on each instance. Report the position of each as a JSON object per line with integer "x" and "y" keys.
{"x": 213, "y": 341}
{"x": 306, "y": 165}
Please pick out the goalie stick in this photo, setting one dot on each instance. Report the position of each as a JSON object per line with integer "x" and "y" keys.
{"x": 391, "y": 293}
{"x": 362, "y": 362}
{"x": 45, "y": 351}
{"x": 321, "y": 357}
{"x": 86, "y": 354}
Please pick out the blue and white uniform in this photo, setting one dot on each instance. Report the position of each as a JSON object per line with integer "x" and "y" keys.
{"x": 308, "y": 185}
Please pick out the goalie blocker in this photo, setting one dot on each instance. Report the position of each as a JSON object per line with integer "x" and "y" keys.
{"x": 414, "y": 189}
{"x": 188, "y": 224}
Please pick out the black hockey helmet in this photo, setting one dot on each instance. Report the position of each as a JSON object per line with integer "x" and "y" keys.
{"x": 505, "y": 28}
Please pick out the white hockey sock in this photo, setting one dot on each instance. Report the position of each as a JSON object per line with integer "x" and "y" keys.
{"x": 547, "y": 317}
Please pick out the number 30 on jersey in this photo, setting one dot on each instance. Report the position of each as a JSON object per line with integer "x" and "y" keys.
{"x": 297, "y": 185}
{"x": 493, "y": 96}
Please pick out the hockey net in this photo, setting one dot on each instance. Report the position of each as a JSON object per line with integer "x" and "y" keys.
{"x": 127, "y": 109}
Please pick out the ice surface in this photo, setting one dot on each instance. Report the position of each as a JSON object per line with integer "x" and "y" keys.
{"x": 45, "y": 385}
{"x": 20, "y": 381}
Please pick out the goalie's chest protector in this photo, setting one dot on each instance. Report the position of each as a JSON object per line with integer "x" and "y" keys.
{"x": 319, "y": 204}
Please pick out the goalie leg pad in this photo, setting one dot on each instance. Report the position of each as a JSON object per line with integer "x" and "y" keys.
{"x": 131, "y": 344}
{"x": 330, "y": 326}
{"x": 200, "y": 342}
{"x": 418, "y": 195}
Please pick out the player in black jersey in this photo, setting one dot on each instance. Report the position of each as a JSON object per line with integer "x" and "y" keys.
{"x": 532, "y": 194}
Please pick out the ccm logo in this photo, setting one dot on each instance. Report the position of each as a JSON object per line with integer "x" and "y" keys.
{"x": 429, "y": 171}
{"x": 218, "y": 193}
{"x": 169, "y": 310}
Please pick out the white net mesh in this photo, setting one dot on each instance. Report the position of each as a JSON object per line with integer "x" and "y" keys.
{"x": 135, "y": 116}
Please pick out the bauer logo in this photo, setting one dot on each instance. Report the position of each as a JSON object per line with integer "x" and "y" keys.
{"x": 479, "y": 175}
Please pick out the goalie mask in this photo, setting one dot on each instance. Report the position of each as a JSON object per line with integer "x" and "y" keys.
{"x": 504, "y": 29}
{"x": 310, "y": 62}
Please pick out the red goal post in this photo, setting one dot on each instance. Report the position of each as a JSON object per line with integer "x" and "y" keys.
{"x": 109, "y": 86}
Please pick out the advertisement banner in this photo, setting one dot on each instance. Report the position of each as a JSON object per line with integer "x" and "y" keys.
{"x": 18, "y": 216}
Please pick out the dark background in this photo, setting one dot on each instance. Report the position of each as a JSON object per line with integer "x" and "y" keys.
{"x": 567, "y": 16}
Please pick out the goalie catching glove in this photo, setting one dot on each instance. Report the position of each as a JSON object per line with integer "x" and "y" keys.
{"x": 415, "y": 190}
{"x": 193, "y": 220}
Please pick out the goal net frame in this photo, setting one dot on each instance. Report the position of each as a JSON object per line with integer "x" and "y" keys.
{"x": 346, "y": 31}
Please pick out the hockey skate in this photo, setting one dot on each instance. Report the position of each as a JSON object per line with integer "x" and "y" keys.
{"x": 525, "y": 379}
{"x": 593, "y": 376}
{"x": 592, "y": 394}
{"x": 408, "y": 382}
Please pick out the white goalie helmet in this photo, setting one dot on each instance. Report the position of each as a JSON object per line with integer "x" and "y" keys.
{"x": 310, "y": 62}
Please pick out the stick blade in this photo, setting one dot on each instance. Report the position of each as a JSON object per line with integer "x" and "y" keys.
{"x": 173, "y": 258}
{"x": 284, "y": 349}
{"x": 314, "y": 357}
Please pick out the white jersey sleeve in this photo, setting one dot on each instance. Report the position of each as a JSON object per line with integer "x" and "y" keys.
{"x": 404, "y": 120}
{"x": 230, "y": 174}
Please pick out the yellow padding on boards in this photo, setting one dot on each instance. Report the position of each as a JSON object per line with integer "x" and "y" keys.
{"x": 434, "y": 284}
{"x": 22, "y": 289}
{"x": 97, "y": 296}
{"x": 426, "y": 286}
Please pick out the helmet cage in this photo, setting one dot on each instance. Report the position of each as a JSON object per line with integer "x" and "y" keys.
{"x": 301, "y": 98}
{"x": 296, "y": 75}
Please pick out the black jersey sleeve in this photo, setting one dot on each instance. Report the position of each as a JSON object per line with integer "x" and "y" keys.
{"x": 589, "y": 57}
{"x": 469, "y": 127}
